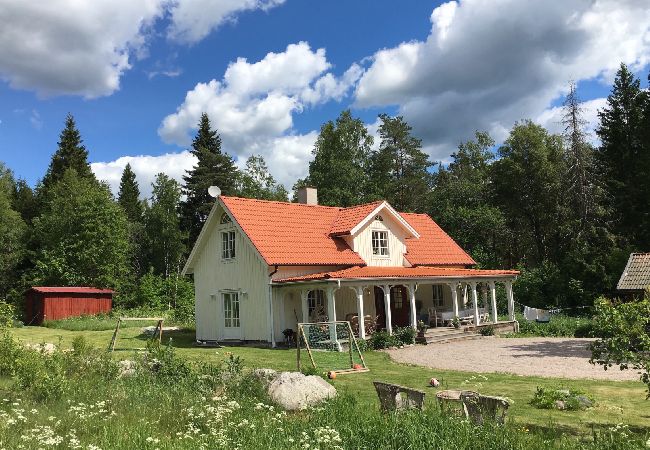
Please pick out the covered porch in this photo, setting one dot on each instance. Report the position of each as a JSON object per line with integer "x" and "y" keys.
{"x": 392, "y": 297}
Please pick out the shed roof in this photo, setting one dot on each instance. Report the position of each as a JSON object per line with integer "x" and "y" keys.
{"x": 636, "y": 276}
{"x": 71, "y": 290}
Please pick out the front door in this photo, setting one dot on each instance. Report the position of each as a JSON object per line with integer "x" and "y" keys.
{"x": 399, "y": 307}
{"x": 231, "y": 315}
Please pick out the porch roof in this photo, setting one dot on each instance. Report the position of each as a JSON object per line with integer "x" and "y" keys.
{"x": 380, "y": 273}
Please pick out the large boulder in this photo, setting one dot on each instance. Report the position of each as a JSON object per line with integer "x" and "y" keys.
{"x": 295, "y": 391}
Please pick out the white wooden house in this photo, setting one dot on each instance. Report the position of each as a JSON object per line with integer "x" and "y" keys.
{"x": 263, "y": 266}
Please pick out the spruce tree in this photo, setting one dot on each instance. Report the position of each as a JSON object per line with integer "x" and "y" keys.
{"x": 621, "y": 154}
{"x": 400, "y": 167}
{"x": 129, "y": 195}
{"x": 70, "y": 154}
{"x": 213, "y": 168}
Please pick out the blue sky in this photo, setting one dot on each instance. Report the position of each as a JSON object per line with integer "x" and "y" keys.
{"x": 136, "y": 74}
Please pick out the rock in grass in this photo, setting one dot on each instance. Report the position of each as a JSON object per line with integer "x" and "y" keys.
{"x": 560, "y": 404}
{"x": 45, "y": 348}
{"x": 266, "y": 376}
{"x": 295, "y": 391}
{"x": 584, "y": 401}
{"x": 126, "y": 368}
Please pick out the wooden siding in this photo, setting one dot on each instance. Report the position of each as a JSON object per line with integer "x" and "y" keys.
{"x": 54, "y": 306}
{"x": 246, "y": 274}
{"x": 396, "y": 243}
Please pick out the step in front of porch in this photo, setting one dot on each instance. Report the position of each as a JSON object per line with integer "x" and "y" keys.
{"x": 442, "y": 335}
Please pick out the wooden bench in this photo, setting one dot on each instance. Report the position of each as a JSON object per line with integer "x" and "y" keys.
{"x": 393, "y": 397}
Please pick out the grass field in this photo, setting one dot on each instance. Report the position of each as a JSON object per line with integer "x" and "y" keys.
{"x": 616, "y": 402}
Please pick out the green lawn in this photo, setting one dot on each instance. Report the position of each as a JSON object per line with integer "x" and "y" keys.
{"x": 617, "y": 402}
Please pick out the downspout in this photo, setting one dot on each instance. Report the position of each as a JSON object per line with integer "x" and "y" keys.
{"x": 271, "y": 321}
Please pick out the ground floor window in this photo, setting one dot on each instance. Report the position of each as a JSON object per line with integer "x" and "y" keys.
{"x": 316, "y": 303}
{"x": 231, "y": 309}
{"x": 438, "y": 297}
{"x": 398, "y": 298}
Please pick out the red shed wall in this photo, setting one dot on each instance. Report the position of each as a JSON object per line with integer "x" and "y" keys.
{"x": 62, "y": 305}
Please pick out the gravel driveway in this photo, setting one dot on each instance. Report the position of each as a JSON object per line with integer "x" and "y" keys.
{"x": 545, "y": 357}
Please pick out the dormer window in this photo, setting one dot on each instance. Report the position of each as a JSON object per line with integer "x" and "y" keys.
{"x": 380, "y": 243}
{"x": 378, "y": 218}
{"x": 225, "y": 218}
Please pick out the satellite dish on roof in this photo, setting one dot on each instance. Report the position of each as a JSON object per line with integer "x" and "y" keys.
{"x": 214, "y": 191}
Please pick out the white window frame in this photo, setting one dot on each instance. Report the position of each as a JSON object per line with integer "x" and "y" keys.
{"x": 438, "y": 295}
{"x": 315, "y": 299}
{"x": 228, "y": 250}
{"x": 232, "y": 306}
{"x": 379, "y": 240}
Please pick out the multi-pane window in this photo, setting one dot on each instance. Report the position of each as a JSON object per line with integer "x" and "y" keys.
{"x": 227, "y": 244}
{"x": 380, "y": 243}
{"x": 316, "y": 302}
{"x": 231, "y": 309}
{"x": 438, "y": 298}
{"x": 398, "y": 298}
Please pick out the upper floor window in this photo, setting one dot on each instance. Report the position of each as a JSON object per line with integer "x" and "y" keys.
{"x": 228, "y": 244}
{"x": 225, "y": 218}
{"x": 380, "y": 243}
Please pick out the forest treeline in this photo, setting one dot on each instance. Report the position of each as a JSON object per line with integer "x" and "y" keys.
{"x": 564, "y": 212}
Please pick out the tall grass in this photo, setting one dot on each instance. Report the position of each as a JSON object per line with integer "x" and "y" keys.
{"x": 103, "y": 322}
{"x": 168, "y": 403}
{"x": 560, "y": 325}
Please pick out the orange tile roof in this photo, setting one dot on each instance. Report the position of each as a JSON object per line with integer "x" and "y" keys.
{"x": 433, "y": 245}
{"x": 348, "y": 218}
{"x": 297, "y": 234}
{"x": 363, "y": 272}
{"x": 291, "y": 233}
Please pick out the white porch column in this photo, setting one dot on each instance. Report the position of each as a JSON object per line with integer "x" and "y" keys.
{"x": 454, "y": 297}
{"x": 493, "y": 297}
{"x": 414, "y": 319}
{"x": 511, "y": 300}
{"x": 305, "y": 305}
{"x": 360, "y": 315}
{"x": 475, "y": 302}
{"x": 464, "y": 295}
{"x": 389, "y": 319}
{"x": 331, "y": 315}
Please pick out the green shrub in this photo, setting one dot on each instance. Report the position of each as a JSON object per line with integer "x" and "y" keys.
{"x": 363, "y": 344}
{"x": 562, "y": 399}
{"x": 560, "y": 325}
{"x": 7, "y": 314}
{"x": 381, "y": 339}
{"x": 9, "y": 351}
{"x": 487, "y": 331}
{"x": 404, "y": 335}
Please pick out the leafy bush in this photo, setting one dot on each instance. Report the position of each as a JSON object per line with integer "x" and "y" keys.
{"x": 9, "y": 351}
{"x": 562, "y": 399}
{"x": 404, "y": 335}
{"x": 363, "y": 344}
{"x": 487, "y": 331}
{"x": 7, "y": 314}
{"x": 560, "y": 325}
{"x": 381, "y": 339}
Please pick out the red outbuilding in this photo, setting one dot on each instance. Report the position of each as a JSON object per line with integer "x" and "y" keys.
{"x": 53, "y": 303}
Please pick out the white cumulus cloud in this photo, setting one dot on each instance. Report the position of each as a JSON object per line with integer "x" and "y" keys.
{"x": 145, "y": 168}
{"x": 253, "y": 105}
{"x": 486, "y": 65}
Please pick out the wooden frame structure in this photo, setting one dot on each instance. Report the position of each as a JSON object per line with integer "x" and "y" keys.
{"x": 158, "y": 329}
{"x": 352, "y": 341}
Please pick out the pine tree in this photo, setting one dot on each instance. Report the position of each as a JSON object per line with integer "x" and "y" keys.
{"x": 71, "y": 154}
{"x": 24, "y": 201}
{"x": 213, "y": 168}
{"x": 620, "y": 154}
{"x": 129, "y": 195}
{"x": 341, "y": 159}
{"x": 400, "y": 167}
{"x": 579, "y": 156}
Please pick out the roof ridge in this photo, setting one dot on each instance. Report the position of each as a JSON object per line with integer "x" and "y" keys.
{"x": 258, "y": 200}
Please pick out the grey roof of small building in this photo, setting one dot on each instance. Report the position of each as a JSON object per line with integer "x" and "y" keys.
{"x": 636, "y": 276}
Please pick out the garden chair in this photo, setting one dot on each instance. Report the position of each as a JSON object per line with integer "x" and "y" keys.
{"x": 393, "y": 397}
{"x": 484, "y": 408}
